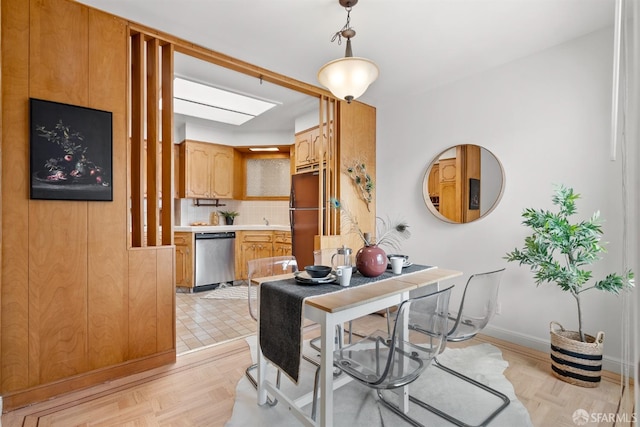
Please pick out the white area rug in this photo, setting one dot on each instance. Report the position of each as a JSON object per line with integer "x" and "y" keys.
{"x": 357, "y": 405}
{"x": 230, "y": 292}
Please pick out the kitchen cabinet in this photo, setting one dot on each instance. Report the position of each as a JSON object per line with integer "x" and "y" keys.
{"x": 176, "y": 171}
{"x": 262, "y": 175}
{"x": 434, "y": 180}
{"x": 184, "y": 242}
{"x": 206, "y": 170}
{"x": 308, "y": 145}
{"x": 282, "y": 243}
{"x": 251, "y": 245}
{"x": 259, "y": 244}
{"x": 450, "y": 190}
{"x": 433, "y": 185}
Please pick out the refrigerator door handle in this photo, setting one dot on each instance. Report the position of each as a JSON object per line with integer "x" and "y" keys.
{"x": 292, "y": 197}
{"x": 292, "y": 222}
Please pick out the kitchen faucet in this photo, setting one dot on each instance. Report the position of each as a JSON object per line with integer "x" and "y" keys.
{"x": 266, "y": 221}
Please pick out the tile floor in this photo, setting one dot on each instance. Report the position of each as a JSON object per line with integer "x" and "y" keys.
{"x": 201, "y": 322}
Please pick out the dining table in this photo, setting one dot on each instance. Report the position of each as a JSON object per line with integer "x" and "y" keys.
{"x": 284, "y": 303}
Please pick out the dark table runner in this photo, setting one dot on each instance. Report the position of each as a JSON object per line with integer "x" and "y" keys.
{"x": 281, "y": 315}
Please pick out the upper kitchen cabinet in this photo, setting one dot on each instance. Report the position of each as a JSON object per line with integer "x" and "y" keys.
{"x": 310, "y": 148}
{"x": 206, "y": 171}
{"x": 262, "y": 175}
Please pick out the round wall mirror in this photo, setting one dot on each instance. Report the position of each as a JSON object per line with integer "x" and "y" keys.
{"x": 463, "y": 183}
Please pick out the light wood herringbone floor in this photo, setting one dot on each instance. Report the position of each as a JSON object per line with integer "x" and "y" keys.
{"x": 199, "y": 391}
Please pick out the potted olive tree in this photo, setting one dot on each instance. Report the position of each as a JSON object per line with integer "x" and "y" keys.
{"x": 558, "y": 252}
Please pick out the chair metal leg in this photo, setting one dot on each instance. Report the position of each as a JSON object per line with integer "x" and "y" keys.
{"x": 397, "y": 410}
{"x": 316, "y": 381}
{"x": 339, "y": 331}
{"x": 253, "y": 381}
{"x": 505, "y": 401}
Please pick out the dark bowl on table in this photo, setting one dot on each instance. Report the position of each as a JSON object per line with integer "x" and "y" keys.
{"x": 318, "y": 271}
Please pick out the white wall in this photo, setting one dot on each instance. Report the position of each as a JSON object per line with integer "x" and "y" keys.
{"x": 547, "y": 119}
{"x": 307, "y": 121}
{"x": 252, "y": 212}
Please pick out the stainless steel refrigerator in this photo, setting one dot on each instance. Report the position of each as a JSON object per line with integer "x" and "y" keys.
{"x": 303, "y": 215}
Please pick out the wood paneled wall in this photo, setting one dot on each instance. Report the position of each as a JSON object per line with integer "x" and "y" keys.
{"x": 78, "y": 306}
{"x": 357, "y": 142}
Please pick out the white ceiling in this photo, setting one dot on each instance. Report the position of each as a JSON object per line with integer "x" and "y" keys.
{"x": 418, "y": 44}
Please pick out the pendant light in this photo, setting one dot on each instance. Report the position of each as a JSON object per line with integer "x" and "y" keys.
{"x": 349, "y": 77}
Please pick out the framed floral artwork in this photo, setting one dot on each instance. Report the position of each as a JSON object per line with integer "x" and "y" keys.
{"x": 70, "y": 152}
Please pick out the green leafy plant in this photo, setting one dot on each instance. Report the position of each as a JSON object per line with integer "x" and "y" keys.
{"x": 558, "y": 250}
{"x": 229, "y": 214}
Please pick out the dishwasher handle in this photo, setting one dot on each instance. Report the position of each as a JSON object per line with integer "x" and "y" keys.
{"x": 217, "y": 235}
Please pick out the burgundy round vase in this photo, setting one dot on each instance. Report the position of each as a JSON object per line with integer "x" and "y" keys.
{"x": 371, "y": 261}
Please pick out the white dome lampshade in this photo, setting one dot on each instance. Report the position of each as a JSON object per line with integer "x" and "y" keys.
{"x": 349, "y": 77}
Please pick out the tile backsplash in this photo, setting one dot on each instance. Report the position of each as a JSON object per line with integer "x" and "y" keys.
{"x": 252, "y": 212}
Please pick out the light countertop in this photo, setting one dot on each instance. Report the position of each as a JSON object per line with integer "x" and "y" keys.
{"x": 216, "y": 228}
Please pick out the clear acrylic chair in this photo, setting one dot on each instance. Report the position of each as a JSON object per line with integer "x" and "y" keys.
{"x": 265, "y": 267}
{"x": 324, "y": 256}
{"x": 477, "y": 308}
{"x": 385, "y": 363}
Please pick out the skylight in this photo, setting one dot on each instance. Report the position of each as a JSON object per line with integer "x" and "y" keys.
{"x": 210, "y": 103}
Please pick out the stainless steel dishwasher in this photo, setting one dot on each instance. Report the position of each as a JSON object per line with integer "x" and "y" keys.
{"x": 214, "y": 259}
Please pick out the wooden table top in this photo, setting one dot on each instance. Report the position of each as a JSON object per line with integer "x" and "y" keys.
{"x": 348, "y": 297}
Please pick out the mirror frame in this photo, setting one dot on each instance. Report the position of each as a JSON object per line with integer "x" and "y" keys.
{"x": 425, "y": 187}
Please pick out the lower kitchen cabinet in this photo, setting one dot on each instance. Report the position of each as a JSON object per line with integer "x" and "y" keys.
{"x": 282, "y": 243}
{"x": 251, "y": 245}
{"x": 184, "y": 242}
{"x": 259, "y": 244}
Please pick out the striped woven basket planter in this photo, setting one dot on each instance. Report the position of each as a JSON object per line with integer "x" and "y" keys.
{"x": 574, "y": 361}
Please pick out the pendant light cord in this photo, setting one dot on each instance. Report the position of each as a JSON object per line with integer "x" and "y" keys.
{"x": 338, "y": 35}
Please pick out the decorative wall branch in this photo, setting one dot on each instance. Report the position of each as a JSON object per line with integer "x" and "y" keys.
{"x": 362, "y": 180}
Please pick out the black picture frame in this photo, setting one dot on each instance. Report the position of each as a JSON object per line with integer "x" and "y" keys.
{"x": 474, "y": 194}
{"x": 70, "y": 152}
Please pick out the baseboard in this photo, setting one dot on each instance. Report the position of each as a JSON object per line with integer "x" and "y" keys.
{"x": 22, "y": 398}
{"x": 610, "y": 364}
